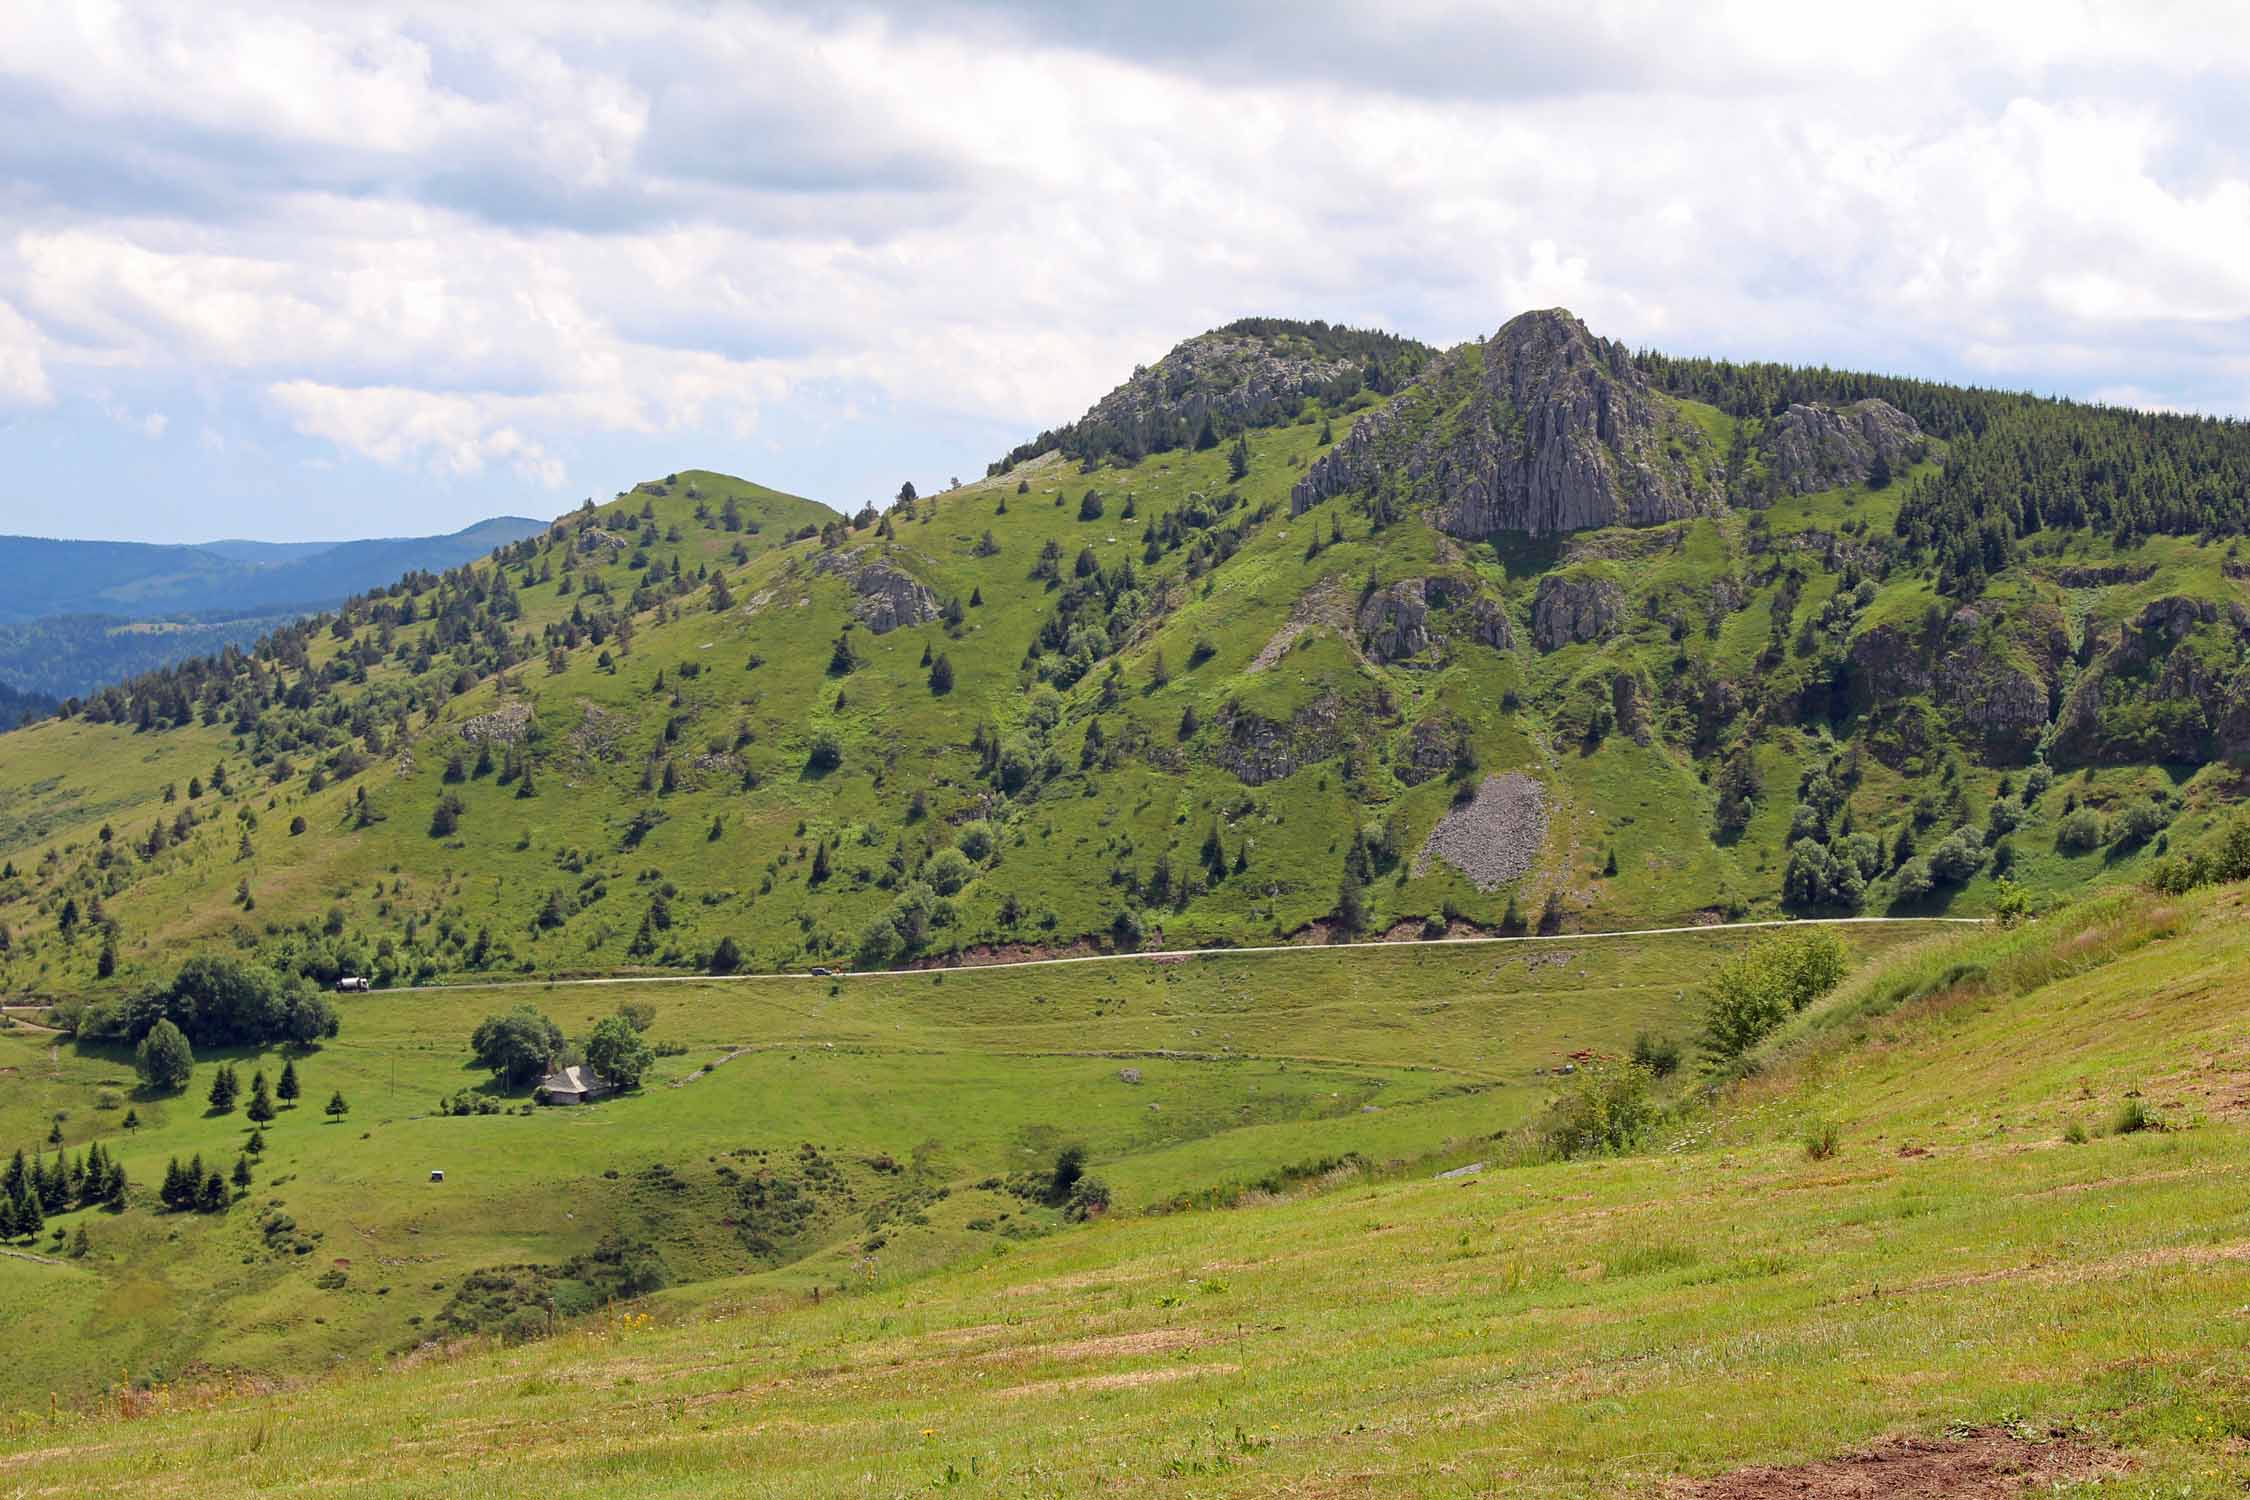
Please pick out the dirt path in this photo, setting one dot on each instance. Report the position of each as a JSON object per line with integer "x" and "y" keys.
{"x": 709, "y": 1067}
{"x": 1174, "y": 955}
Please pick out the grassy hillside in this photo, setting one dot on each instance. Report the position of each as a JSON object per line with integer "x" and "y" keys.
{"x": 922, "y": 1090}
{"x": 1984, "y": 1251}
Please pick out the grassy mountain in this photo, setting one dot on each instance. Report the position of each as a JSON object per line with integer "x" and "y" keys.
{"x": 1542, "y": 638}
{"x": 1980, "y": 1208}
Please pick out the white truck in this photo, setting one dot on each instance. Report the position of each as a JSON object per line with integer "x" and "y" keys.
{"x": 352, "y": 984}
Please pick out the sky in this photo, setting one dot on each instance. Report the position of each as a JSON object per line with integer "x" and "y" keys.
{"x": 313, "y": 271}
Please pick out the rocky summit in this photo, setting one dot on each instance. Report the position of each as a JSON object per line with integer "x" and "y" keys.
{"x": 1542, "y": 428}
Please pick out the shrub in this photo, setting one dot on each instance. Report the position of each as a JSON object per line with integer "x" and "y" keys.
{"x": 1659, "y": 1054}
{"x": 2075, "y": 1134}
{"x": 2079, "y": 832}
{"x": 975, "y": 840}
{"x": 1606, "y": 1114}
{"x": 1089, "y": 1199}
{"x": 1753, "y": 993}
{"x": 1958, "y": 856}
{"x": 948, "y": 870}
{"x": 2132, "y": 1117}
{"x": 2137, "y": 824}
{"x": 1823, "y": 1140}
{"x": 826, "y": 754}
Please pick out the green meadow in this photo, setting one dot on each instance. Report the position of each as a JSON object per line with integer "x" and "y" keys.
{"x": 1986, "y": 1247}
{"x": 1242, "y": 1066}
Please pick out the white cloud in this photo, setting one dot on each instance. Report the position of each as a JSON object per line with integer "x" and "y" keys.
{"x": 23, "y": 374}
{"x": 451, "y": 434}
{"x": 458, "y": 240}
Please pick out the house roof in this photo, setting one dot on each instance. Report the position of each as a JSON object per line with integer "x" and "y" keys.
{"x": 573, "y": 1080}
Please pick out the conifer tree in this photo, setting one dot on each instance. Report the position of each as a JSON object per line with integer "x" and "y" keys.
{"x": 261, "y": 1099}
{"x": 288, "y": 1089}
{"x": 337, "y": 1108}
{"x": 242, "y": 1171}
{"x": 224, "y": 1088}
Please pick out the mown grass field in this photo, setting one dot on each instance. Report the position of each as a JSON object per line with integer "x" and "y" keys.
{"x": 1246, "y": 1064}
{"x": 1964, "y": 1259}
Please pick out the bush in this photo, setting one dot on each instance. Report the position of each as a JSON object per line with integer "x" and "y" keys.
{"x": 1659, "y": 1054}
{"x": 1958, "y": 856}
{"x": 2132, "y": 1118}
{"x": 1753, "y": 993}
{"x": 1089, "y": 1199}
{"x": 948, "y": 870}
{"x": 2137, "y": 824}
{"x": 1823, "y": 1140}
{"x": 2079, "y": 832}
{"x": 1606, "y": 1114}
{"x": 826, "y": 754}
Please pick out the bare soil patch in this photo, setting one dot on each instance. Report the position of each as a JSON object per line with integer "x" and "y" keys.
{"x": 1989, "y": 1464}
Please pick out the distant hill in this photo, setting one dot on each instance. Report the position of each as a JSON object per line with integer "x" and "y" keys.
{"x": 75, "y": 616}
{"x": 16, "y": 707}
{"x": 42, "y": 577}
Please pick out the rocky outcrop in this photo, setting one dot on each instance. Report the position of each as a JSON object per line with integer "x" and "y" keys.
{"x": 2172, "y": 686}
{"x": 1394, "y": 621}
{"x": 1814, "y": 447}
{"x": 886, "y": 596}
{"x": 1258, "y": 749}
{"x": 1542, "y": 428}
{"x": 1398, "y": 621}
{"x": 1575, "y": 609}
{"x": 1432, "y": 749}
{"x": 1489, "y": 625}
{"x": 1887, "y": 665}
{"x": 1992, "y": 674}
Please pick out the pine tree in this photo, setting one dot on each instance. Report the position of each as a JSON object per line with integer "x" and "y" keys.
{"x": 242, "y": 1171}
{"x": 29, "y": 1220}
{"x": 1238, "y": 457}
{"x": 288, "y": 1090}
{"x": 1351, "y": 906}
{"x": 132, "y": 1119}
{"x": 337, "y": 1108}
{"x": 170, "y": 1195}
{"x": 224, "y": 1087}
{"x": 256, "y": 1145}
{"x": 261, "y": 1099}
{"x": 213, "y": 1196}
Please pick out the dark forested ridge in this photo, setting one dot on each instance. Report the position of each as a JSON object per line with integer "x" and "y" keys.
{"x": 2019, "y": 464}
{"x": 19, "y": 707}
